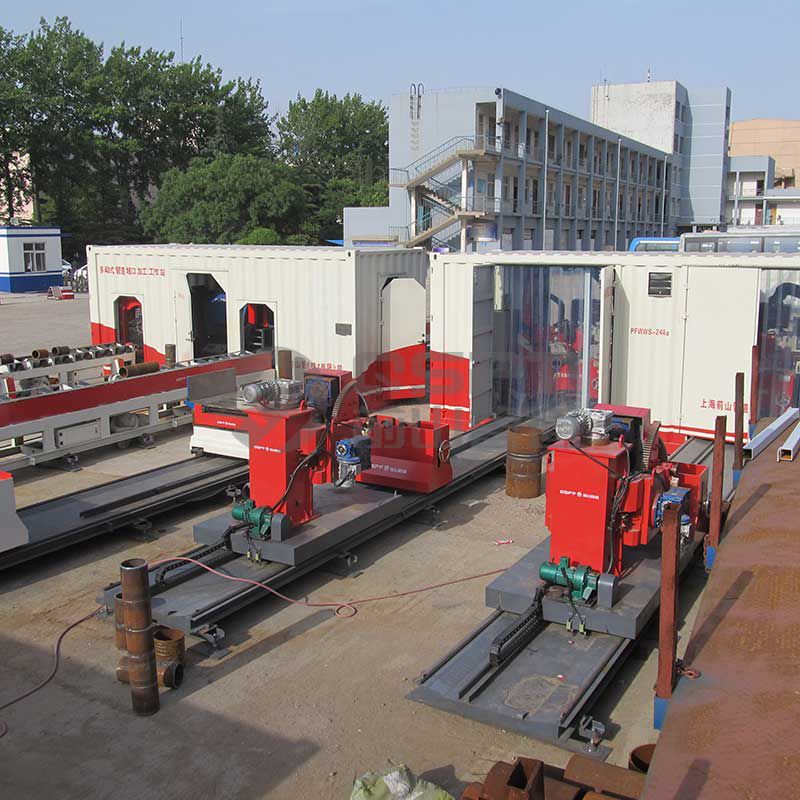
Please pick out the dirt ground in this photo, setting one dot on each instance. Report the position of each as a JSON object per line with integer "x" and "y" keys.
{"x": 305, "y": 702}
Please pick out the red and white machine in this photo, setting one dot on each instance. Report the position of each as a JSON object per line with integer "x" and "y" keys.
{"x": 608, "y": 482}
{"x": 314, "y": 432}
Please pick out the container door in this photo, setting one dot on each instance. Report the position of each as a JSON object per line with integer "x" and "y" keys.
{"x": 715, "y": 351}
{"x": 605, "y": 354}
{"x": 482, "y": 341}
{"x": 402, "y": 359}
{"x": 648, "y": 336}
{"x": 201, "y": 318}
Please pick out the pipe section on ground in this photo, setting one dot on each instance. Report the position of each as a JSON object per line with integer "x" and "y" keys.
{"x": 142, "y": 673}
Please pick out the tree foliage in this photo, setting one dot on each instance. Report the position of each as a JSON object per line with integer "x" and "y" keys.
{"x": 130, "y": 145}
{"x": 225, "y": 199}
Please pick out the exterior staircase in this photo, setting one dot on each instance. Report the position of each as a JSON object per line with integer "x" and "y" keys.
{"x": 439, "y": 201}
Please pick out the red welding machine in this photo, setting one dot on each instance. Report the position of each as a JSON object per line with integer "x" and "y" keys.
{"x": 302, "y": 433}
{"x": 608, "y": 483}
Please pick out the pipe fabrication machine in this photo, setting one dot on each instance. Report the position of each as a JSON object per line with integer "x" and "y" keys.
{"x": 307, "y": 434}
{"x": 568, "y": 612}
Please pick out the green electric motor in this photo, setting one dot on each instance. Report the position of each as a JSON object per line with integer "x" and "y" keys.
{"x": 259, "y": 518}
{"x": 580, "y": 580}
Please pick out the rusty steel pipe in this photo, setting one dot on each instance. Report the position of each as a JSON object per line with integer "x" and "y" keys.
{"x": 668, "y": 607}
{"x": 40, "y": 353}
{"x": 60, "y": 350}
{"x": 738, "y": 422}
{"x": 142, "y": 674}
{"x": 170, "y": 352}
{"x": 640, "y": 757}
{"x": 120, "y": 639}
{"x": 755, "y": 366}
{"x": 6, "y": 358}
{"x": 717, "y": 475}
{"x": 524, "y": 462}
{"x": 170, "y": 647}
{"x": 133, "y": 370}
{"x": 606, "y": 779}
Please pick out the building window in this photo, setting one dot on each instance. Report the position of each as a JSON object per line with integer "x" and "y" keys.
{"x": 676, "y": 144}
{"x": 677, "y": 110}
{"x": 33, "y": 256}
{"x": 490, "y": 184}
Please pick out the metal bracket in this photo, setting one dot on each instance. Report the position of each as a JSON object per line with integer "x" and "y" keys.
{"x": 593, "y": 730}
{"x": 213, "y": 636}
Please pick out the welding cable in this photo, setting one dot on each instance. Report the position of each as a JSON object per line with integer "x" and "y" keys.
{"x": 343, "y": 610}
{"x": 303, "y": 464}
{"x": 56, "y": 665}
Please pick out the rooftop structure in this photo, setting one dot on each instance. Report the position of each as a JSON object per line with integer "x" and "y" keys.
{"x": 690, "y": 124}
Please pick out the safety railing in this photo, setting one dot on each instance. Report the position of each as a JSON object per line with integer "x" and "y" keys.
{"x": 440, "y": 155}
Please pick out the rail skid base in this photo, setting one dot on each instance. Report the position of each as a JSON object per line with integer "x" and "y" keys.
{"x": 546, "y": 691}
{"x": 189, "y": 598}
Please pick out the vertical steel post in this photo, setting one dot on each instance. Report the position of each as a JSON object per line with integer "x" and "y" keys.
{"x": 668, "y": 609}
{"x": 738, "y": 419}
{"x": 755, "y": 365}
{"x": 717, "y": 475}
{"x": 142, "y": 674}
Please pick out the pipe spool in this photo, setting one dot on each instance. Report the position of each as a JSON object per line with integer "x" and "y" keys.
{"x": 170, "y": 353}
{"x": 170, "y": 647}
{"x": 640, "y": 757}
{"x": 39, "y": 353}
{"x": 285, "y": 358}
{"x": 141, "y": 660}
{"x": 60, "y": 350}
{"x": 134, "y": 370}
{"x": 524, "y": 462}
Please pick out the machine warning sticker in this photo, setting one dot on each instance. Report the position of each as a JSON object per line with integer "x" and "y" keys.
{"x": 582, "y": 495}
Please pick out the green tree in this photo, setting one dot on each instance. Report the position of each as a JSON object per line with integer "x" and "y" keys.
{"x": 328, "y": 137}
{"x": 224, "y": 199}
{"x": 14, "y": 128}
{"x": 63, "y": 77}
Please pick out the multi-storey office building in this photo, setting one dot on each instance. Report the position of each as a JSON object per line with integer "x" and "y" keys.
{"x": 692, "y": 125}
{"x": 753, "y": 199}
{"x": 486, "y": 169}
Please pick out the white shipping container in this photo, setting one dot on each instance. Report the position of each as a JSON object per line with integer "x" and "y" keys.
{"x": 326, "y": 305}
{"x": 670, "y": 330}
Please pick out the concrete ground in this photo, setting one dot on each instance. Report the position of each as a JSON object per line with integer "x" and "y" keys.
{"x": 305, "y": 702}
{"x": 28, "y": 321}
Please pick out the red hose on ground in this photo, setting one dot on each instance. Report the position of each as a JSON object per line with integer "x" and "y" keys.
{"x": 338, "y": 608}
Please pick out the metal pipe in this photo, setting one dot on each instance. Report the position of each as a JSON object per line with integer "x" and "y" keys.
{"x": 717, "y": 475}
{"x": 169, "y": 355}
{"x": 6, "y": 358}
{"x": 134, "y": 370}
{"x": 755, "y": 363}
{"x": 664, "y": 195}
{"x": 60, "y": 350}
{"x": 120, "y": 639}
{"x": 40, "y": 353}
{"x": 142, "y": 673}
{"x": 668, "y": 608}
{"x": 788, "y": 450}
{"x": 774, "y": 429}
{"x": 738, "y": 423}
{"x": 524, "y": 462}
{"x": 616, "y": 202}
{"x": 546, "y": 146}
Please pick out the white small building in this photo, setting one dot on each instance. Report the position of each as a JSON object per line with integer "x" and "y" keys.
{"x": 30, "y": 258}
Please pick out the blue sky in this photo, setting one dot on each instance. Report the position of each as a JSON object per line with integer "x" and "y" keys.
{"x": 552, "y": 51}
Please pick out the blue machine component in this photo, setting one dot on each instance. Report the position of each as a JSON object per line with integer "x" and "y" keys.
{"x": 321, "y": 392}
{"x": 679, "y": 496}
{"x": 355, "y": 450}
